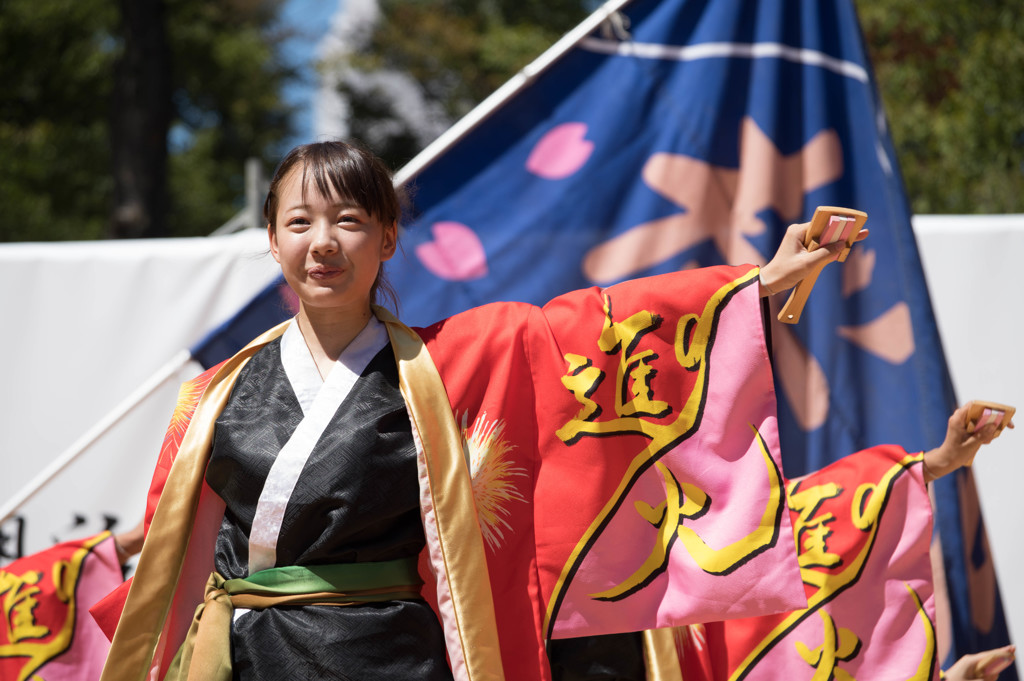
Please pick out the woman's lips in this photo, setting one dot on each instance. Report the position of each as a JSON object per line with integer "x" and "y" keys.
{"x": 323, "y": 272}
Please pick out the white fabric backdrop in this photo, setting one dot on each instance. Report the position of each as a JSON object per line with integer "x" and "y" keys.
{"x": 88, "y": 323}
{"x": 971, "y": 264}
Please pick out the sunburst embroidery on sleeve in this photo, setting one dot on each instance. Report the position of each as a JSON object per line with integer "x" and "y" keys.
{"x": 493, "y": 473}
{"x": 690, "y": 639}
{"x": 695, "y": 633}
{"x": 188, "y": 398}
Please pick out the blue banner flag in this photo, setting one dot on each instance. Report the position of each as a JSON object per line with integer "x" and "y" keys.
{"x": 686, "y": 133}
{"x": 689, "y": 134}
{"x": 269, "y": 307}
{"x": 696, "y": 140}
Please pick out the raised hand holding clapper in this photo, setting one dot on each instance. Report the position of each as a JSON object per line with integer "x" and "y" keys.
{"x": 830, "y": 224}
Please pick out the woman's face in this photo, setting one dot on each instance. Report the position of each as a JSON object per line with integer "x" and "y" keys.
{"x": 330, "y": 249}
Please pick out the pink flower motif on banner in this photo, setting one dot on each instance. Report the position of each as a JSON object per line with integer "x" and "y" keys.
{"x": 561, "y": 152}
{"x": 455, "y": 254}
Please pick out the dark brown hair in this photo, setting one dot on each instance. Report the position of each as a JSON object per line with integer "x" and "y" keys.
{"x": 350, "y": 171}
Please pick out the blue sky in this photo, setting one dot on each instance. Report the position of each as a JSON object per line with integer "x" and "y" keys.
{"x": 309, "y": 19}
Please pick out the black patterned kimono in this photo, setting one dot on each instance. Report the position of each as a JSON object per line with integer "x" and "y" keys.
{"x": 356, "y": 501}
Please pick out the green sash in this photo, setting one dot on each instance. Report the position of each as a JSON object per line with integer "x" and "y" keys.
{"x": 206, "y": 653}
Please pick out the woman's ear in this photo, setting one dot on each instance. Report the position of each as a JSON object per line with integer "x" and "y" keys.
{"x": 390, "y": 244}
{"x": 272, "y": 235}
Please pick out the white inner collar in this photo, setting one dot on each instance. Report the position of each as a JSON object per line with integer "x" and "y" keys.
{"x": 301, "y": 369}
{"x": 320, "y": 400}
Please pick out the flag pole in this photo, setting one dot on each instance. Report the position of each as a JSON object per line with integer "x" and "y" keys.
{"x": 520, "y": 80}
{"x": 161, "y": 376}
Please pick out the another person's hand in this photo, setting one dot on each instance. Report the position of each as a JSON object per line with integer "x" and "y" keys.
{"x": 981, "y": 666}
{"x": 792, "y": 262}
{"x": 959, "y": 447}
{"x": 129, "y": 542}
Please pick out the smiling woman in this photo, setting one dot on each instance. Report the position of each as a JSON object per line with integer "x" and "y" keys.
{"x": 331, "y": 230}
{"x": 369, "y": 501}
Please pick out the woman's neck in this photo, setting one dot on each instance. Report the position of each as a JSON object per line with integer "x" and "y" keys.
{"x": 327, "y": 333}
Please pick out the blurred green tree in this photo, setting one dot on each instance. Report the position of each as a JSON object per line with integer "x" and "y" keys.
{"x": 134, "y": 118}
{"x": 951, "y": 76}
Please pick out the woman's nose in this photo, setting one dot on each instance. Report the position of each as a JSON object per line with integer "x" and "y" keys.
{"x": 324, "y": 240}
